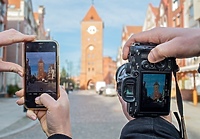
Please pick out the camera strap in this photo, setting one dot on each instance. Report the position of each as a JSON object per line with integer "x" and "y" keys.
{"x": 181, "y": 122}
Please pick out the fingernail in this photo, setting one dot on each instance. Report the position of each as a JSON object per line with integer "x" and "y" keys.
{"x": 20, "y": 73}
{"x": 151, "y": 58}
{"x": 37, "y": 99}
{"x": 33, "y": 117}
{"x": 16, "y": 93}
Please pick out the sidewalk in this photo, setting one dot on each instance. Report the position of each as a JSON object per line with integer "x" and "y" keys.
{"x": 192, "y": 118}
{"x": 12, "y": 117}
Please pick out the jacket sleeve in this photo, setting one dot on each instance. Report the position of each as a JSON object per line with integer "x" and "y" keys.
{"x": 59, "y": 136}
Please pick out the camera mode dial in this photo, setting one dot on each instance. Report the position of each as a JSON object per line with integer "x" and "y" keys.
{"x": 147, "y": 65}
{"x": 161, "y": 65}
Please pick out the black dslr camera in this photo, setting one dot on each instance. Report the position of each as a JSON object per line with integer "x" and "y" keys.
{"x": 145, "y": 86}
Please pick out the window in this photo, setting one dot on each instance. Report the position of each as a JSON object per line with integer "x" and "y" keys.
{"x": 174, "y": 22}
{"x": 165, "y": 21}
{"x": 161, "y": 10}
{"x": 175, "y": 4}
{"x": 191, "y": 11}
{"x": 178, "y": 20}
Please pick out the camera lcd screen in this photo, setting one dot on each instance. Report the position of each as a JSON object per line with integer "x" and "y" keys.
{"x": 41, "y": 71}
{"x": 155, "y": 92}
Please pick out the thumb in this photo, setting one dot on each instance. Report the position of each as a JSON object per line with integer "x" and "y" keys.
{"x": 63, "y": 96}
{"x": 162, "y": 51}
{"x": 46, "y": 100}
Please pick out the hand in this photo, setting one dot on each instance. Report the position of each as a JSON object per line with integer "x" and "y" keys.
{"x": 172, "y": 42}
{"x": 56, "y": 119}
{"x": 9, "y": 37}
{"x": 124, "y": 108}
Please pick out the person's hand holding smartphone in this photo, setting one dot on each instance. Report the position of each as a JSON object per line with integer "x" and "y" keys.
{"x": 41, "y": 71}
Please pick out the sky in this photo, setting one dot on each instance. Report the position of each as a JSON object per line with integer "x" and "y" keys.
{"x": 63, "y": 18}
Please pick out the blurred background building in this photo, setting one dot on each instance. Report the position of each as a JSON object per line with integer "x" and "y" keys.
{"x": 19, "y": 15}
{"x": 3, "y": 26}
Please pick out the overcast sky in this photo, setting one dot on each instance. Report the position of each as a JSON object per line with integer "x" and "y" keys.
{"x": 63, "y": 18}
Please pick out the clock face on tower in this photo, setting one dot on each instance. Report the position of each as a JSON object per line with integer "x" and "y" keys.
{"x": 92, "y": 29}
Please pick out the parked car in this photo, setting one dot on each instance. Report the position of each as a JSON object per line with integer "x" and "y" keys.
{"x": 99, "y": 85}
{"x": 109, "y": 90}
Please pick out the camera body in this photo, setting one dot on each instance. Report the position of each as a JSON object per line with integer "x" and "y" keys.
{"x": 145, "y": 86}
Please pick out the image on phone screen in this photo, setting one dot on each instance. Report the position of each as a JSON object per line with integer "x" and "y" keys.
{"x": 41, "y": 71}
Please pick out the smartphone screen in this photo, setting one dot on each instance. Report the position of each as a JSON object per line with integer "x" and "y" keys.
{"x": 41, "y": 68}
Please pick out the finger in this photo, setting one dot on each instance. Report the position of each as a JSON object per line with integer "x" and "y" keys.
{"x": 11, "y": 67}
{"x": 40, "y": 114}
{"x": 150, "y": 36}
{"x": 30, "y": 114}
{"x": 124, "y": 108}
{"x": 20, "y": 101}
{"x": 20, "y": 93}
{"x": 12, "y": 36}
{"x": 164, "y": 50}
{"x": 168, "y": 117}
{"x": 63, "y": 96}
{"x": 46, "y": 100}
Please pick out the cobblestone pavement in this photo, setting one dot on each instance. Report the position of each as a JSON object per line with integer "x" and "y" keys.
{"x": 93, "y": 116}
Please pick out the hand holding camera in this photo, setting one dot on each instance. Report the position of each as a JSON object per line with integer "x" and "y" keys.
{"x": 145, "y": 86}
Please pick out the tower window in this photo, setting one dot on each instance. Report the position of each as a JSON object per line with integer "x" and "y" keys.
{"x": 91, "y": 17}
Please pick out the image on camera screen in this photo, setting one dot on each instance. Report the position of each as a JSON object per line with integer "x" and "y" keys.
{"x": 41, "y": 72}
{"x": 153, "y": 90}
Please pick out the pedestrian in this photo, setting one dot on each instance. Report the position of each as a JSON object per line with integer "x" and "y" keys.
{"x": 172, "y": 42}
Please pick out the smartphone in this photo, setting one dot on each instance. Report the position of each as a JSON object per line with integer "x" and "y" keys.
{"x": 41, "y": 71}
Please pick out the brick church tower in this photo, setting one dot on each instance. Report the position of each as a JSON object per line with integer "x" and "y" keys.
{"x": 91, "y": 49}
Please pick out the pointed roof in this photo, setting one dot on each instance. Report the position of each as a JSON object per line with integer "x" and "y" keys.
{"x": 16, "y": 3}
{"x": 133, "y": 29}
{"x": 154, "y": 9}
{"x": 92, "y": 15}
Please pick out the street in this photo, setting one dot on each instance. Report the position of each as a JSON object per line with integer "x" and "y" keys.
{"x": 92, "y": 117}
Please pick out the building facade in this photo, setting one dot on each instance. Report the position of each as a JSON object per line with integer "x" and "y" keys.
{"x": 192, "y": 20}
{"x": 20, "y": 17}
{"x": 3, "y": 26}
{"x": 109, "y": 70}
{"x": 91, "y": 49}
{"x": 127, "y": 31}
{"x": 151, "y": 18}
{"x": 42, "y": 33}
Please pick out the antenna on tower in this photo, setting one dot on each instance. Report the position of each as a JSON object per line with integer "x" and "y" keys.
{"x": 92, "y": 2}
